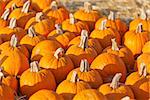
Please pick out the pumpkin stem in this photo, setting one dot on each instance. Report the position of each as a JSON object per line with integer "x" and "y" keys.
{"x": 74, "y": 77}
{"x": 5, "y": 14}
{"x": 59, "y": 53}
{"x": 143, "y": 15}
{"x": 84, "y": 33}
{"x": 139, "y": 28}
{"x": 14, "y": 6}
{"x": 54, "y": 5}
{"x": 13, "y": 41}
{"x": 103, "y": 25}
{"x": 72, "y": 19}
{"x": 143, "y": 70}
{"x": 84, "y": 66}
{"x": 12, "y": 23}
{"x": 34, "y": 67}
{"x": 39, "y": 16}
{"x": 58, "y": 29}
{"x": 1, "y": 76}
{"x": 114, "y": 45}
{"x": 126, "y": 98}
{"x": 84, "y": 42}
{"x": 115, "y": 81}
{"x": 87, "y": 7}
{"x": 26, "y": 6}
{"x": 31, "y": 32}
{"x": 111, "y": 16}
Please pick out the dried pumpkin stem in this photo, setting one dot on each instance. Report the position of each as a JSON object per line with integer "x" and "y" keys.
{"x": 139, "y": 28}
{"x": 14, "y": 6}
{"x": 58, "y": 29}
{"x": 103, "y": 25}
{"x": 34, "y": 67}
{"x": 72, "y": 19}
{"x": 12, "y": 23}
{"x": 26, "y": 6}
{"x": 13, "y": 41}
{"x": 84, "y": 66}
{"x": 143, "y": 14}
{"x": 84, "y": 33}
{"x": 5, "y": 14}
{"x": 111, "y": 16}
{"x": 143, "y": 70}
{"x": 31, "y": 32}
{"x": 126, "y": 98}
{"x": 54, "y": 5}
{"x": 87, "y": 7}
{"x": 59, "y": 53}
{"x": 115, "y": 81}
{"x": 39, "y": 16}
{"x": 1, "y": 76}
{"x": 84, "y": 42}
{"x": 114, "y": 45}
{"x": 74, "y": 77}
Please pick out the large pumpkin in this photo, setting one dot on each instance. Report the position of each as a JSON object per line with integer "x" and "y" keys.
{"x": 35, "y": 79}
{"x": 4, "y": 18}
{"x": 146, "y": 48}
{"x": 116, "y": 90}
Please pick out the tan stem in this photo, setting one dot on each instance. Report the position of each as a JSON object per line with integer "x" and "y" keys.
{"x": 87, "y": 7}
{"x": 31, "y": 32}
{"x": 39, "y": 16}
{"x": 1, "y": 76}
{"x": 143, "y": 70}
{"x": 5, "y": 14}
{"x": 115, "y": 81}
{"x": 111, "y": 16}
{"x": 54, "y": 5}
{"x": 59, "y": 53}
{"x": 34, "y": 67}
{"x": 74, "y": 77}
{"x": 139, "y": 28}
{"x": 72, "y": 19}
{"x": 84, "y": 42}
{"x": 84, "y": 66}
{"x": 114, "y": 45}
{"x": 14, "y": 6}
{"x": 13, "y": 41}
{"x": 84, "y": 33}
{"x": 103, "y": 25}
{"x": 143, "y": 14}
{"x": 26, "y": 6}
{"x": 12, "y": 23}
{"x": 58, "y": 29}
{"x": 126, "y": 98}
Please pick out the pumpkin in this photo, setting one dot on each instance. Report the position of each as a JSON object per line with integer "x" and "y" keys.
{"x": 18, "y": 3}
{"x": 57, "y": 11}
{"x": 73, "y": 25}
{"x": 136, "y": 39}
{"x": 45, "y": 95}
{"x": 4, "y": 19}
{"x": 87, "y": 14}
{"x": 41, "y": 23}
{"x": 44, "y": 48}
{"x": 92, "y": 77}
{"x": 104, "y": 35}
{"x": 89, "y": 94}
{"x": 108, "y": 65}
{"x": 22, "y": 14}
{"x": 63, "y": 37}
{"x": 139, "y": 82}
{"x": 81, "y": 51}
{"x": 123, "y": 52}
{"x": 114, "y": 23}
{"x": 60, "y": 64}
{"x": 31, "y": 39}
{"x": 2, "y": 7}
{"x": 68, "y": 88}
{"x": 35, "y": 79}
{"x": 8, "y": 31}
{"x": 116, "y": 90}
{"x": 146, "y": 48}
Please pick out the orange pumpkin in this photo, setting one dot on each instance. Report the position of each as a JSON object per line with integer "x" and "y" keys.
{"x": 41, "y": 23}
{"x": 22, "y": 14}
{"x": 88, "y": 75}
{"x": 4, "y": 19}
{"x": 62, "y": 66}
{"x": 31, "y": 39}
{"x": 8, "y": 31}
{"x": 63, "y": 37}
{"x": 18, "y": 3}
{"x": 146, "y": 48}
{"x": 81, "y": 51}
{"x": 68, "y": 88}
{"x": 139, "y": 82}
{"x": 104, "y": 34}
{"x": 73, "y": 25}
{"x": 108, "y": 65}
{"x": 123, "y": 52}
{"x": 136, "y": 39}
{"x": 88, "y": 14}
{"x": 2, "y": 6}
{"x": 57, "y": 11}
{"x": 35, "y": 79}
{"x": 45, "y": 95}
{"x": 116, "y": 90}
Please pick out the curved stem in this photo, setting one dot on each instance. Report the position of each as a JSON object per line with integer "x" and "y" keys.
{"x": 84, "y": 66}
{"x": 139, "y": 28}
{"x": 12, "y": 23}
{"x": 59, "y": 53}
{"x": 114, "y": 45}
{"x": 26, "y": 6}
{"x": 31, "y": 32}
{"x": 87, "y": 7}
{"x": 14, "y": 6}
{"x": 34, "y": 67}
{"x": 58, "y": 29}
{"x": 39, "y": 16}
{"x": 13, "y": 41}
{"x": 74, "y": 77}
{"x": 5, "y": 14}
{"x": 143, "y": 70}
{"x": 84, "y": 42}
{"x": 111, "y": 16}
{"x": 54, "y": 5}
{"x": 143, "y": 14}
{"x": 103, "y": 25}
{"x": 72, "y": 19}
{"x": 115, "y": 81}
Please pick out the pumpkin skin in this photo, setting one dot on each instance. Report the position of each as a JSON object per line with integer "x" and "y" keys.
{"x": 108, "y": 65}
{"x": 146, "y": 48}
{"x": 116, "y": 90}
{"x": 104, "y": 35}
{"x": 18, "y": 3}
{"x": 35, "y": 79}
{"x": 2, "y": 7}
{"x": 57, "y": 11}
{"x": 41, "y": 23}
{"x": 89, "y": 94}
{"x": 68, "y": 88}
{"x": 4, "y": 19}
{"x": 135, "y": 40}
{"x": 43, "y": 48}
{"x": 22, "y": 14}
{"x": 45, "y": 95}
{"x": 92, "y": 77}
{"x": 59, "y": 63}
{"x": 74, "y": 26}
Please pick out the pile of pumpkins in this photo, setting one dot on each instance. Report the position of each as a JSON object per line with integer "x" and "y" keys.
{"x": 48, "y": 53}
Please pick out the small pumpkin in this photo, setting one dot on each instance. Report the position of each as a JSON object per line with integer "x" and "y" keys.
{"x": 73, "y": 25}
{"x": 108, "y": 65}
{"x": 57, "y": 11}
{"x": 59, "y": 63}
{"x": 41, "y": 23}
{"x": 81, "y": 51}
{"x": 18, "y": 3}
{"x": 35, "y": 79}
{"x": 116, "y": 90}
{"x": 4, "y": 19}
{"x": 146, "y": 48}
{"x": 68, "y": 88}
{"x": 104, "y": 34}
{"x": 46, "y": 95}
{"x": 86, "y": 74}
